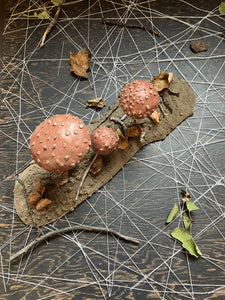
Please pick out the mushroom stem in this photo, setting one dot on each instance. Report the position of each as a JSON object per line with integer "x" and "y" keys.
{"x": 85, "y": 175}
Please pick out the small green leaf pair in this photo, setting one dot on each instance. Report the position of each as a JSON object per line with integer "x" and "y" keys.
{"x": 181, "y": 234}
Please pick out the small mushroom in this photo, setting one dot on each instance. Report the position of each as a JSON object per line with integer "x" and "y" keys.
{"x": 139, "y": 99}
{"x": 104, "y": 140}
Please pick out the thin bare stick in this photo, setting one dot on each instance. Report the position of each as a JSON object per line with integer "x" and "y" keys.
{"x": 51, "y": 234}
{"x": 85, "y": 175}
{"x": 51, "y": 25}
{"x": 107, "y": 22}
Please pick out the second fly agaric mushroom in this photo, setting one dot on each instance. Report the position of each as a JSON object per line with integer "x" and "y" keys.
{"x": 103, "y": 140}
{"x": 60, "y": 143}
{"x": 139, "y": 99}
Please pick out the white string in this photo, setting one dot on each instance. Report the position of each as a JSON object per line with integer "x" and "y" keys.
{"x": 178, "y": 162}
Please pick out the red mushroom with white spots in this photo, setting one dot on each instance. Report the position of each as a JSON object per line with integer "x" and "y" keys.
{"x": 104, "y": 140}
{"x": 139, "y": 99}
{"x": 60, "y": 143}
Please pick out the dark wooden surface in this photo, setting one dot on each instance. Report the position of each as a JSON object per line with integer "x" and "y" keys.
{"x": 37, "y": 83}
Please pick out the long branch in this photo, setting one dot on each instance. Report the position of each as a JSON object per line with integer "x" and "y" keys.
{"x": 108, "y": 22}
{"x": 51, "y": 25}
{"x": 51, "y": 234}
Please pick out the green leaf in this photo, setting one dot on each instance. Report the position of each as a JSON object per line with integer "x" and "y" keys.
{"x": 173, "y": 214}
{"x": 222, "y": 8}
{"x": 187, "y": 221}
{"x": 181, "y": 234}
{"x": 191, "y": 206}
{"x": 57, "y": 2}
{"x": 42, "y": 15}
{"x": 187, "y": 241}
{"x": 192, "y": 248}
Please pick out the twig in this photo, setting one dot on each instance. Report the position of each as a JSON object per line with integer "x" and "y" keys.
{"x": 107, "y": 22}
{"x": 51, "y": 25}
{"x": 85, "y": 175}
{"x": 51, "y": 234}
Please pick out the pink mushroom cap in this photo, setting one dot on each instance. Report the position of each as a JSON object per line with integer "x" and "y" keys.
{"x": 104, "y": 140}
{"x": 139, "y": 99}
{"x": 60, "y": 143}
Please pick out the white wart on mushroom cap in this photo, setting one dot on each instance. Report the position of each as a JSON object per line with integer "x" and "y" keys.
{"x": 60, "y": 143}
{"x": 139, "y": 99}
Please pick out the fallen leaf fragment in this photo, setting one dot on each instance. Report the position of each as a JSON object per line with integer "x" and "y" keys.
{"x": 97, "y": 165}
{"x": 155, "y": 116}
{"x": 39, "y": 187}
{"x": 122, "y": 141}
{"x": 162, "y": 81}
{"x": 187, "y": 221}
{"x": 34, "y": 197}
{"x": 222, "y": 8}
{"x": 80, "y": 62}
{"x": 134, "y": 130}
{"x": 187, "y": 241}
{"x": 191, "y": 206}
{"x": 198, "y": 46}
{"x": 186, "y": 194}
{"x": 42, "y": 15}
{"x": 97, "y": 102}
{"x": 57, "y": 2}
{"x": 43, "y": 203}
{"x": 173, "y": 214}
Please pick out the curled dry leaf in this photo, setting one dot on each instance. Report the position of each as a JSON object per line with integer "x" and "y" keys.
{"x": 97, "y": 165}
{"x": 34, "y": 197}
{"x": 155, "y": 116}
{"x": 162, "y": 81}
{"x": 39, "y": 187}
{"x": 97, "y": 102}
{"x": 43, "y": 203}
{"x": 198, "y": 46}
{"x": 134, "y": 130}
{"x": 122, "y": 141}
{"x": 186, "y": 194}
{"x": 80, "y": 62}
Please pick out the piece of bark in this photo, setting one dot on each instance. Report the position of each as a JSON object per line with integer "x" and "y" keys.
{"x": 178, "y": 108}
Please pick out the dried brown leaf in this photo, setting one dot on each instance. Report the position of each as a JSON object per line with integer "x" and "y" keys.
{"x": 98, "y": 102}
{"x": 97, "y": 165}
{"x": 134, "y": 130}
{"x": 39, "y": 187}
{"x": 155, "y": 116}
{"x": 162, "y": 81}
{"x": 198, "y": 46}
{"x": 34, "y": 197}
{"x": 122, "y": 141}
{"x": 43, "y": 203}
{"x": 80, "y": 62}
{"x": 186, "y": 194}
